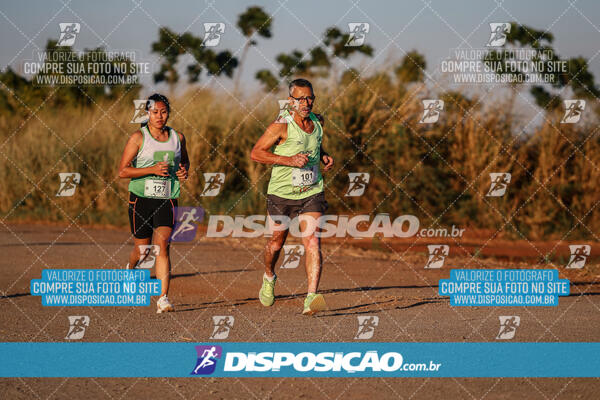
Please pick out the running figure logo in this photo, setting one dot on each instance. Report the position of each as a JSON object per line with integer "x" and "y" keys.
{"x": 140, "y": 115}
{"x": 148, "y": 254}
{"x": 212, "y": 33}
{"x": 358, "y": 34}
{"x": 284, "y": 108}
{"x": 68, "y": 33}
{"x": 291, "y": 255}
{"x": 358, "y": 183}
{"x": 213, "y": 183}
{"x": 579, "y": 255}
{"x": 207, "y": 359}
{"x": 500, "y": 181}
{"x": 437, "y": 255}
{"x": 186, "y": 223}
{"x": 77, "y": 326}
{"x": 222, "y": 325}
{"x": 68, "y": 183}
{"x": 366, "y": 326}
{"x": 498, "y": 35}
{"x": 431, "y": 111}
{"x": 573, "y": 111}
{"x": 508, "y": 327}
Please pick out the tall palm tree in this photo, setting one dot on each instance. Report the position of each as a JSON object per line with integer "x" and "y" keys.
{"x": 169, "y": 46}
{"x": 253, "y": 20}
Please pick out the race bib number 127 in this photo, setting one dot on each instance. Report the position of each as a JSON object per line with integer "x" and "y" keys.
{"x": 157, "y": 188}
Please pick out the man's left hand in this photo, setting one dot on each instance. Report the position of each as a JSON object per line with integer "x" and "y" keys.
{"x": 328, "y": 161}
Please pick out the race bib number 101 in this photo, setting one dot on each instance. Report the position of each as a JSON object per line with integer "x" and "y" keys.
{"x": 305, "y": 176}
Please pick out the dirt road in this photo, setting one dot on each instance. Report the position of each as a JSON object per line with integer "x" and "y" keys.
{"x": 222, "y": 277}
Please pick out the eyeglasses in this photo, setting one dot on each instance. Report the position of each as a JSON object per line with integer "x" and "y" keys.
{"x": 307, "y": 99}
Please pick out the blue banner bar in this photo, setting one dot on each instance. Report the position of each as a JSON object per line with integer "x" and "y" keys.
{"x": 365, "y": 359}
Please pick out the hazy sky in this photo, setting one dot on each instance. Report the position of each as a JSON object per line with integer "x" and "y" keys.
{"x": 431, "y": 28}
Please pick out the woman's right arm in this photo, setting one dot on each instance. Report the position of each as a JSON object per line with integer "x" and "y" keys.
{"x": 131, "y": 149}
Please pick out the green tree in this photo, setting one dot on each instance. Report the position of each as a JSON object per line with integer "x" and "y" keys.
{"x": 267, "y": 79}
{"x": 253, "y": 21}
{"x": 171, "y": 46}
{"x": 337, "y": 42}
{"x": 576, "y": 76}
{"x": 412, "y": 67}
{"x": 318, "y": 61}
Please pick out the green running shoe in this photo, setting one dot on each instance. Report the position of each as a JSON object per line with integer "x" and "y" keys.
{"x": 267, "y": 291}
{"x": 313, "y": 304}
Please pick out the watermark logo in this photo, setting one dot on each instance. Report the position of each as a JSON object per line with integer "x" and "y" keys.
{"x": 366, "y": 326}
{"x": 148, "y": 254}
{"x": 437, "y": 255}
{"x": 140, "y": 114}
{"x": 212, "y": 33}
{"x": 291, "y": 255}
{"x": 495, "y": 65}
{"x": 579, "y": 255}
{"x": 363, "y": 226}
{"x": 432, "y": 109}
{"x": 573, "y": 111}
{"x": 213, "y": 183}
{"x": 441, "y": 232}
{"x": 90, "y": 67}
{"x": 77, "y": 326}
{"x": 223, "y": 324}
{"x": 358, "y": 183}
{"x": 68, "y": 33}
{"x": 508, "y": 327}
{"x": 284, "y": 116}
{"x": 498, "y": 34}
{"x": 68, "y": 183}
{"x": 186, "y": 223}
{"x": 358, "y": 33}
{"x": 207, "y": 359}
{"x": 499, "y": 184}
{"x": 345, "y": 362}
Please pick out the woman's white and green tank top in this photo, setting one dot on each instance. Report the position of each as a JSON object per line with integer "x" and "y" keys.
{"x": 150, "y": 153}
{"x": 293, "y": 182}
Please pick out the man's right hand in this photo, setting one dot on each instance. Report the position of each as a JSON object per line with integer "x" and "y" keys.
{"x": 161, "y": 169}
{"x": 299, "y": 160}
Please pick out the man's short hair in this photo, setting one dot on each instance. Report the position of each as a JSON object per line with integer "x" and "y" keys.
{"x": 300, "y": 83}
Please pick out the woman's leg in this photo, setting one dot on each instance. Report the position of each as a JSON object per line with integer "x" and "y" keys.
{"x": 134, "y": 256}
{"x": 163, "y": 263}
{"x": 140, "y": 223}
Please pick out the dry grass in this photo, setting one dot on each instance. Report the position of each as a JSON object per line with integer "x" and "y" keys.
{"x": 438, "y": 172}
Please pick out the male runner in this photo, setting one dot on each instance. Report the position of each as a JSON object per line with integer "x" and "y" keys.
{"x": 295, "y": 188}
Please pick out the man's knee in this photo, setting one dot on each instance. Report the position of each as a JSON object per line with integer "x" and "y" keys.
{"x": 311, "y": 242}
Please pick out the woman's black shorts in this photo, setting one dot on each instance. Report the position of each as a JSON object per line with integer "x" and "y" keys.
{"x": 145, "y": 214}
